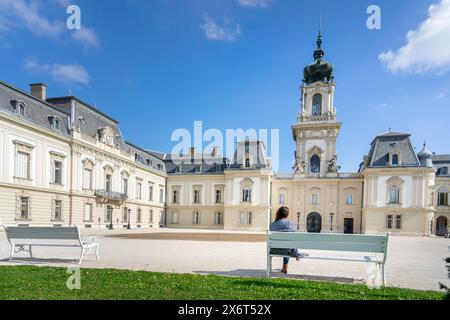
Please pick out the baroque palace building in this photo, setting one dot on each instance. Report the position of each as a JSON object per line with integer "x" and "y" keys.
{"x": 64, "y": 162}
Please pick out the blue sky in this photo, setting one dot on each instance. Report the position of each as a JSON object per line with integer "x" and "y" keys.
{"x": 160, "y": 65}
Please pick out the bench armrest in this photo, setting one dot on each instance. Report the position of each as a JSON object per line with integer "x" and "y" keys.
{"x": 89, "y": 240}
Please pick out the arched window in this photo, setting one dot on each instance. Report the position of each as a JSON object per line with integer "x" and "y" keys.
{"x": 315, "y": 164}
{"x": 317, "y": 105}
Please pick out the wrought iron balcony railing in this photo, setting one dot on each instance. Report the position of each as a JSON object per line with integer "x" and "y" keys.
{"x": 111, "y": 195}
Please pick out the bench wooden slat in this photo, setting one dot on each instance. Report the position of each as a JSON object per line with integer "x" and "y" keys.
{"x": 328, "y": 246}
{"x": 323, "y": 237}
{"x": 43, "y": 233}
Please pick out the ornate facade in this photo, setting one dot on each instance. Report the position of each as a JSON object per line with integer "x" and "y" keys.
{"x": 64, "y": 162}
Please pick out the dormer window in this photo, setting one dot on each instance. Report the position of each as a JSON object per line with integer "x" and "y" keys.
{"x": 18, "y": 107}
{"x": 55, "y": 122}
{"x": 442, "y": 171}
{"x": 247, "y": 163}
{"x": 395, "y": 160}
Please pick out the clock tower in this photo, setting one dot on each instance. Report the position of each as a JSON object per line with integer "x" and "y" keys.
{"x": 317, "y": 129}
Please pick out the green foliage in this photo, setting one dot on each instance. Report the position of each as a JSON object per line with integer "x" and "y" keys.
{"x": 24, "y": 282}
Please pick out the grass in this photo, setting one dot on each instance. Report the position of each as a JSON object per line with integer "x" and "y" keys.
{"x": 42, "y": 283}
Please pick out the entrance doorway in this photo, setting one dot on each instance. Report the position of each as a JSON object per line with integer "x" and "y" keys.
{"x": 349, "y": 225}
{"x": 314, "y": 223}
{"x": 441, "y": 226}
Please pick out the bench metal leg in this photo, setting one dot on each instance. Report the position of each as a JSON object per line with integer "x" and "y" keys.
{"x": 30, "y": 251}
{"x": 12, "y": 253}
{"x": 269, "y": 266}
{"x": 96, "y": 253}
{"x": 82, "y": 255}
{"x": 383, "y": 273}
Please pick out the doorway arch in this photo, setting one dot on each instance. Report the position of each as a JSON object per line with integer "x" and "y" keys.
{"x": 441, "y": 226}
{"x": 314, "y": 223}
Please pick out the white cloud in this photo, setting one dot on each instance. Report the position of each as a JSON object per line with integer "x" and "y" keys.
{"x": 14, "y": 13}
{"x": 86, "y": 36}
{"x": 427, "y": 48}
{"x": 255, "y": 3}
{"x": 65, "y": 73}
{"x": 228, "y": 31}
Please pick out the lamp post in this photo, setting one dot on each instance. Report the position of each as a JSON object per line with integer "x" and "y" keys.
{"x": 129, "y": 219}
{"x": 298, "y": 220}
{"x": 331, "y": 217}
{"x": 111, "y": 224}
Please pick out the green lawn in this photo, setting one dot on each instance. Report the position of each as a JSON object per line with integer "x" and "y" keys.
{"x": 24, "y": 282}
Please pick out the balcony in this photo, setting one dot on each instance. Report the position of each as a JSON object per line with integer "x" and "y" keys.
{"x": 106, "y": 196}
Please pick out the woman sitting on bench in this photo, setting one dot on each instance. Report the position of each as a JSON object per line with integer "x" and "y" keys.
{"x": 282, "y": 224}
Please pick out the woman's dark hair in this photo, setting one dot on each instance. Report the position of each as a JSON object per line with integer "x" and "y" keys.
{"x": 282, "y": 213}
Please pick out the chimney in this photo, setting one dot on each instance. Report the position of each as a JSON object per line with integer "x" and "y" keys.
{"x": 192, "y": 152}
{"x": 39, "y": 90}
{"x": 215, "y": 152}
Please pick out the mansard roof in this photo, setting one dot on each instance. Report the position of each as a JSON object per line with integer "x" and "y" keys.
{"x": 388, "y": 143}
{"x": 37, "y": 111}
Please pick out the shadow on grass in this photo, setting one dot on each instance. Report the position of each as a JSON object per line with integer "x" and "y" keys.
{"x": 252, "y": 273}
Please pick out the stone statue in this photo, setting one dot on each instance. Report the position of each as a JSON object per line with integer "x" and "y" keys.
{"x": 332, "y": 165}
{"x": 300, "y": 166}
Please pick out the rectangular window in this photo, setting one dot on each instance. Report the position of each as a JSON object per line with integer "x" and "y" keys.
{"x": 161, "y": 195}
{"x": 22, "y": 165}
{"x": 139, "y": 216}
{"x": 394, "y": 196}
{"x": 218, "y": 218}
{"x": 125, "y": 186}
{"x": 218, "y": 196}
{"x": 175, "y": 218}
{"x": 88, "y": 212}
{"x": 175, "y": 196}
{"x": 138, "y": 190}
{"x": 246, "y": 218}
{"x": 108, "y": 182}
{"x": 57, "y": 178}
{"x": 389, "y": 221}
{"x": 196, "y": 218}
{"x": 315, "y": 199}
{"x": 349, "y": 200}
{"x": 24, "y": 208}
{"x": 196, "y": 196}
{"x": 247, "y": 195}
{"x": 58, "y": 210}
{"x": 282, "y": 199}
{"x": 398, "y": 222}
{"x": 151, "y": 217}
{"x": 150, "y": 192}
{"x": 87, "y": 179}
{"x": 443, "y": 199}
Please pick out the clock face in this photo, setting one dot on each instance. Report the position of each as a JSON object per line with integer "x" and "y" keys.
{"x": 109, "y": 139}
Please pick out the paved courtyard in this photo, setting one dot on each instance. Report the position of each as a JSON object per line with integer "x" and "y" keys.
{"x": 413, "y": 262}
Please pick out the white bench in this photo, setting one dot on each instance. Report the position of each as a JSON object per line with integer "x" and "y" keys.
{"x": 21, "y": 238}
{"x": 375, "y": 245}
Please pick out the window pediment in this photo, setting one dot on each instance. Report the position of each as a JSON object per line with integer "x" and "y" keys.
{"x": 395, "y": 181}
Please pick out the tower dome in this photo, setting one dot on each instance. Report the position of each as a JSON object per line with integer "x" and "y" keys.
{"x": 425, "y": 157}
{"x": 319, "y": 70}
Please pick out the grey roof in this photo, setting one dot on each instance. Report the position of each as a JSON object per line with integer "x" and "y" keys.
{"x": 385, "y": 143}
{"x": 200, "y": 164}
{"x": 441, "y": 158}
{"x": 36, "y": 111}
{"x": 145, "y": 158}
{"x": 72, "y": 112}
